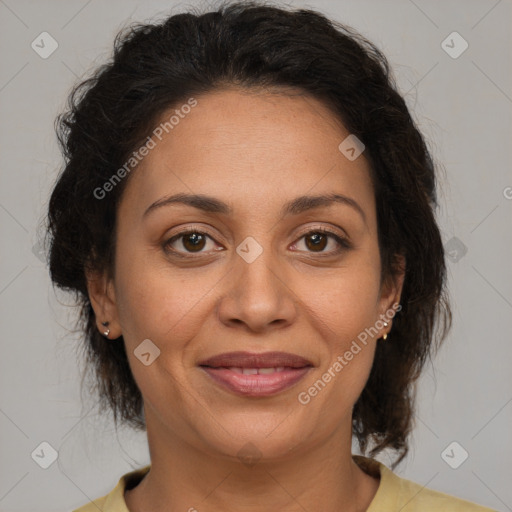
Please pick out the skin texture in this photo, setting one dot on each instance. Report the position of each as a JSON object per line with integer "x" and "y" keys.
{"x": 254, "y": 150}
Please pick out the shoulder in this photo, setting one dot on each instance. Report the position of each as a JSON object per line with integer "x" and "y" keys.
{"x": 396, "y": 493}
{"x": 415, "y": 497}
{"x": 93, "y": 506}
{"x": 114, "y": 500}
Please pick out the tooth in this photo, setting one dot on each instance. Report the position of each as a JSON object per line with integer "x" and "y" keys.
{"x": 266, "y": 370}
{"x": 254, "y": 371}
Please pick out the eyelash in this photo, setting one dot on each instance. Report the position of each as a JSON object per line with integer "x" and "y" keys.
{"x": 341, "y": 240}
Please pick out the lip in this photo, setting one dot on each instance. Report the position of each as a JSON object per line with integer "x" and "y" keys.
{"x": 256, "y": 385}
{"x": 292, "y": 368}
{"x": 255, "y": 360}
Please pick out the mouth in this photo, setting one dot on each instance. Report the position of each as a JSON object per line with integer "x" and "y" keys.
{"x": 250, "y": 374}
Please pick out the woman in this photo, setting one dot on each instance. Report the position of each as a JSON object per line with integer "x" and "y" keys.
{"x": 247, "y": 217}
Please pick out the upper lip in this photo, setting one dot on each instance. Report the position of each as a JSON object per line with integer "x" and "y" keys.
{"x": 255, "y": 360}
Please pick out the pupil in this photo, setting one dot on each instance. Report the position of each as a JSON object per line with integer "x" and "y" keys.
{"x": 319, "y": 240}
{"x": 195, "y": 239}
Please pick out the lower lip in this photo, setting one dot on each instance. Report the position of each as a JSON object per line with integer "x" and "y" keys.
{"x": 256, "y": 385}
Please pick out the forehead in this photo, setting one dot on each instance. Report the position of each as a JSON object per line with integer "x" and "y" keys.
{"x": 251, "y": 147}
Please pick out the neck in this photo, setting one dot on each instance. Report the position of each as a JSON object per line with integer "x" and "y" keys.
{"x": 184, "y": 477}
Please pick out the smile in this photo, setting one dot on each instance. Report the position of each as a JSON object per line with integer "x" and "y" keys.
{"x": 256, "y": 382}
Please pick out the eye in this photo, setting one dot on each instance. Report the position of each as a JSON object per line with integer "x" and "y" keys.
{"x": 316, "y": 241}
{"x": 192, "y": 240}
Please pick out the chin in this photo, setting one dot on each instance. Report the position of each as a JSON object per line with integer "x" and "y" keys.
{"x": 263, "y": 440}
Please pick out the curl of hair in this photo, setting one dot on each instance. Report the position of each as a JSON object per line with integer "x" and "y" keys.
{"x": 159, "y": 65}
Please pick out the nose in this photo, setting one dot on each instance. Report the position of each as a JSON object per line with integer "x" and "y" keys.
{"x": 258, "y": 297}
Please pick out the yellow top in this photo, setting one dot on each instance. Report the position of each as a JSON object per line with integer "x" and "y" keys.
{"x": 394, "y": 494}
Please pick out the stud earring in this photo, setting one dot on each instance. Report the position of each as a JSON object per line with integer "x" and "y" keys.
{"x": 385, "y": 335}
{"x": 107, "y": 332}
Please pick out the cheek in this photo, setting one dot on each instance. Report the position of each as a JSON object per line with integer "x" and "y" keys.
{"x": 159, "y": 303}
{"x": 343, "y": 308}
{"x": 348, "y": 351}
{"x": 166, "y": 307}
{"x": 345, "y": 302}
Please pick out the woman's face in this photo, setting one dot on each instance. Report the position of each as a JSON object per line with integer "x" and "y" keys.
{"x": 251, "y": 279}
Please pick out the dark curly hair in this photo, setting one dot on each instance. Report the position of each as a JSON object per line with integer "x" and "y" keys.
{"x": 159, "y": 65}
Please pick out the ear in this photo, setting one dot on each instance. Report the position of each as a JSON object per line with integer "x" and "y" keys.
{"x": 101, "y": 292}
{"x": 390, "y": 293}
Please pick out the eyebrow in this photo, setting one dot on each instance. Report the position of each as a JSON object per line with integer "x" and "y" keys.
{"x": 294, "y": 207}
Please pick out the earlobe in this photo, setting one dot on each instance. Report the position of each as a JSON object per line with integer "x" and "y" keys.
{"x": 391, "y": 295}
{"x": 103, "y": 301}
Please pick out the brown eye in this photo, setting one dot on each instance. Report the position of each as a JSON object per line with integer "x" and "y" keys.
{"x": 316, "y": 241}
{"x": 192, "y": 241}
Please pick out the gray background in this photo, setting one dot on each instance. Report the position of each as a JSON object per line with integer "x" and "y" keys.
{"x": 463, "y": 106}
